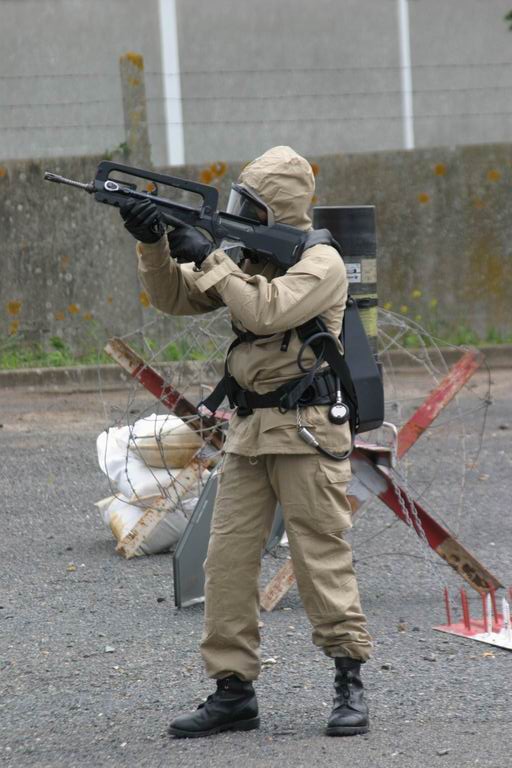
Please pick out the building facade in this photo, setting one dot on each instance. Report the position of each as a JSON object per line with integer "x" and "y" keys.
{"x": 226, "y": 79}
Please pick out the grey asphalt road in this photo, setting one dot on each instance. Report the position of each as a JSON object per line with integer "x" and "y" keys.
{"x": 95, "y": 659}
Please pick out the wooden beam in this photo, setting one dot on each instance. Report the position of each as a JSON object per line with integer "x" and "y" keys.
{"x": 206, "y": 426}
{"x": 458, "y": 375}
{"x": 278, "y": 586}
{"x": 183, "y": 482}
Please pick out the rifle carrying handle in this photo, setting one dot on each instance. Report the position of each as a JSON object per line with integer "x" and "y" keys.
{"x": 209, "y": 194}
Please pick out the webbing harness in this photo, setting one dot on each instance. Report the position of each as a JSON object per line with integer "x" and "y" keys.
{"x": 315, "y": 387}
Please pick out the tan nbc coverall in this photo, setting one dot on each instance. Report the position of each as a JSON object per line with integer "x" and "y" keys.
{"x": 265, "y": 459}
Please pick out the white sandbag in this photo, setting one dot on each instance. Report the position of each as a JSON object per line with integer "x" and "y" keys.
{"x": 129, "y": 455}
{"x": 164, "y": 440}
{"x": 151, "y": 505}
{"x": 119, "y": 515}
{"x": 149, "y": 510}
{"x": 123, "y": 519}
{"x": 127, "y": 470}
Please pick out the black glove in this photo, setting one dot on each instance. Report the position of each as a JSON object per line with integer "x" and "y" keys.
{"x": 142, "y": 220}
{"x": 188, "y": 244}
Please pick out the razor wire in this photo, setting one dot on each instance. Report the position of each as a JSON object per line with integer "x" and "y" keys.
{"x": 198, "y": 345}
{"x": 425, "y": 472}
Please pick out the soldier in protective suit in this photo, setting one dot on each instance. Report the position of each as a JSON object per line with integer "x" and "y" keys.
{"x": 265, "y": 460}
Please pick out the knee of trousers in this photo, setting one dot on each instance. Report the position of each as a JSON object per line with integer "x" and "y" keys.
{"x": 233, "y": 560}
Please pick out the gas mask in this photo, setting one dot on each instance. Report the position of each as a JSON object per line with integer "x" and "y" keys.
{"x": 246, "y": 203}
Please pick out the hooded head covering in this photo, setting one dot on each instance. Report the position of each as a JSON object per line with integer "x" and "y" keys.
{"x": 285, "y": 181}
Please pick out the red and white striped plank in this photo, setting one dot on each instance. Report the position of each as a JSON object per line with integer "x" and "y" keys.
{"x": 377, "y": 480}
{"x": 437, "y": 536}
{"x": 131, "y": 362}
{"x": 458, "y": 375}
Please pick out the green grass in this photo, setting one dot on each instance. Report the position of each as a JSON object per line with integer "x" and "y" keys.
{"x": 17, "y": 353}
{"x": 57, "y": 354}
{"x": 425, "y": 311}
{"x": 459, "y": 337}
{"x": 182, "y": 350}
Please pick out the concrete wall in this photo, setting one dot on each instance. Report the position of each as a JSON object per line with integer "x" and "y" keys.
{"x": 68, "y": 267}
{"x": 444, "y": 227}
{"x": 323, "y": 76}
{"x": 444, "y": 223}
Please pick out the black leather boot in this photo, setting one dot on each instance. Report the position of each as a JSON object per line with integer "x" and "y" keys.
{"x": 233, "y": 707}
{"x": 350, "y": 713}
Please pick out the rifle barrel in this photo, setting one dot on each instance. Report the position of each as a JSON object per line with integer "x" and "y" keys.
{"x": 48, "y": 176}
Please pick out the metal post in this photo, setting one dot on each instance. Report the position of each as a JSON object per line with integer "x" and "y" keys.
{"x": 465, "y": 609}
{"x": 494, "y": 618}
{"x": 485, "y": 613}
{"x": 171, "y": 82}
{"x": 406, "y": 73}
{"x": 447, "y": 606}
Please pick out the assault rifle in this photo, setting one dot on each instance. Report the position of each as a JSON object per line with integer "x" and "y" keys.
{"x": 278, "y": 243}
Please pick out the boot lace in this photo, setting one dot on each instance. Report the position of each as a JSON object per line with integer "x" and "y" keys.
{"x": 343, "y": 688}
{"x": 221, "y": 686}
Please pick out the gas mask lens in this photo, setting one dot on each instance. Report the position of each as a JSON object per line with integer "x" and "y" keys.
{"x": 246, "y": 203}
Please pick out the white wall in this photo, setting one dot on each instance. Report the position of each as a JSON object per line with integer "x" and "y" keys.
{"x": 59, "y": 66}
{"x": 323, "y": 76}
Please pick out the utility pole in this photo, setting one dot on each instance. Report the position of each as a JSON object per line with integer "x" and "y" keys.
{"x": 171, "y": 82}
{"x": 406, "y": 73}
